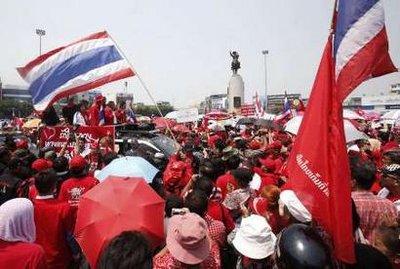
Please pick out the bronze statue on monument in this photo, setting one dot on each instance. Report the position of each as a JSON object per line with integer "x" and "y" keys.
{"x": 235, "y": 65}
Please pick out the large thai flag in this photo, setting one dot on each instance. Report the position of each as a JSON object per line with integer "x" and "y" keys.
{"x": 80, "y": 66}
{"x": 318, "y": 167}
{"x": 360, "y": 44}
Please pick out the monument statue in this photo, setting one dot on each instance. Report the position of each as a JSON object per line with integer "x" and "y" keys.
{"x": 235, "y": 90}
{"x": 235, "y": 65}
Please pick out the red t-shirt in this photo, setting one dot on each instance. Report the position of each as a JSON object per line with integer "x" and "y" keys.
{"x": 120, "y": 115}
{"x": 226, "y": 183}
{"x": 218, "y": 212}
{"x": 53, "y": 220}
{"x": 108, "y": 116}
{"x": 21, "y": 255}
{"x": 93, "y": 115}
{"x": 73, "y": 188}
{"x": 212, "y": 140}
{"x": 266, "y": 178}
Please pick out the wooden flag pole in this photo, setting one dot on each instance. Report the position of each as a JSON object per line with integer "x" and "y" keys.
{"x": 145, "y": 88}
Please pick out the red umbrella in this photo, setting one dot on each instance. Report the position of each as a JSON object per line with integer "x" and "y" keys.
{"x": 218, "y": 115}
{"x": 118, "y": 204}
{"x": 180, "y": 128}
{"x": 161, "y": 123}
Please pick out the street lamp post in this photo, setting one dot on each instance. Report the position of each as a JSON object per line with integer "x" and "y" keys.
{"x": 265, "y": 53}
{"x": 40, "y": 33}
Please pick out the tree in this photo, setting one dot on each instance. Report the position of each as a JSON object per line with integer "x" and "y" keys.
{"x": 149, "y": 110}
{"x": 10, "y": 107}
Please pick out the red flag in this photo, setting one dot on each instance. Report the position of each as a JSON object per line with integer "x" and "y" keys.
{"x": 318, "y": 165}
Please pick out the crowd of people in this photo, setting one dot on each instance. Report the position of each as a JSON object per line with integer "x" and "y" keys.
{"x": 227, "y": 202}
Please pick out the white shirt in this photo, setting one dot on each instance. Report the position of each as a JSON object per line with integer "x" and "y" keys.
{"x": 79, "y": 119}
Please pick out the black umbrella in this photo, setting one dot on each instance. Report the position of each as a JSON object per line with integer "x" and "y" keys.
{"x": 263, "y": 123}
{"x": 244, "y": 121}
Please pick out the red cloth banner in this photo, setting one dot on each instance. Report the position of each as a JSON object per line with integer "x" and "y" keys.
{"x": 57, "y": 136}
{"x": 248, "y": 110}
{"x": 318, "y": 164}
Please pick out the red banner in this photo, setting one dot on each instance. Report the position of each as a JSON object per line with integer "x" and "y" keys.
{"x": 318, "y": 165}
{"x": 57, "y": 136}
{"x": 248, "y": 110}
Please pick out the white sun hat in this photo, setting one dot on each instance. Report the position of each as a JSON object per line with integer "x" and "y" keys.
{"x": 254, "y": 238}
{"x": 289, "y": 199}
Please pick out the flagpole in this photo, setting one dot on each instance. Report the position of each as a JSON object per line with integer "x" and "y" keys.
{"x": 144, "y": 87}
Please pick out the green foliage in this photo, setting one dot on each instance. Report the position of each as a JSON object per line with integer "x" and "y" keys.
{"x": 148, "y": 110}
{"x": 20, "y": 108}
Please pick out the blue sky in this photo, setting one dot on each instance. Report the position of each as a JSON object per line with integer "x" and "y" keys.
{"x": 181, "y": 48}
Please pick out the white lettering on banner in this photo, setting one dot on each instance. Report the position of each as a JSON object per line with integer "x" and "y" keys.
{"x": 314, "y": 177}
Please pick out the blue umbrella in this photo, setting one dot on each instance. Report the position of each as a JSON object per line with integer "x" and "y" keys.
{"x": 128, "y": 167}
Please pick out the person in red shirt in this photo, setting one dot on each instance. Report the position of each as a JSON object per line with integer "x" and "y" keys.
{"x": 215, "y": 209}
{"x": 267, "y": 172}
{"x": 54, "y": 219}
{"x": 371, "y": 208}
{"x": 37, "y": 166}
{"x": 109, "y": 116}
{"x": 174, "y": 177}
{"x": 17, "y": 236}
{"x": 188, "y": 230}
{"x": 94, "y": 111}
{"x": 120, "y": 113}
{"x": 391, "y": 184}
{"x": 79, "y": 183}
{"x": 227, "y": 183}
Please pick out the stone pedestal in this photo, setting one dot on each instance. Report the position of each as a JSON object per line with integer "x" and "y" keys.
{"x": 235, "y": 93}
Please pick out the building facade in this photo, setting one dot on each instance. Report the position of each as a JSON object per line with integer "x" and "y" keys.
{"x": 14, "y": 92}
{"x": 275, "y": 102}
{"x": 214, "y": 102}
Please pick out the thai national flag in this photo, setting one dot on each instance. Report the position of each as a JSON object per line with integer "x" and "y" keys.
{"x": 360, "y": 44}
{"x": 80, "y": 66}
{"x": 259, "y": 108}
{"x": 286, "y": 110}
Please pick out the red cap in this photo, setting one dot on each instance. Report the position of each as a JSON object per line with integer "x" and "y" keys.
{"x": 41, "y": 164}
{"x": 268, "y": 163}
{"x": 22, "y": 144}
{"x": 77, "y": 162}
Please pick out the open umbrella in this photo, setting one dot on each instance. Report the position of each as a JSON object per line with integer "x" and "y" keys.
{"x": 172, "y": 115}
{"x": 114, "y": 206}
{"x": 266, "y": 123}
{"x": 351, "y": 132}
{"x": 33, "y": 123}
{"x": 180, "y": 128}
{"x": 161, "y": 123}
{"x": 372, "y": 115}
{"x": 244, "y": 121}
{"x": 351, "y": 115}
{"x": 218, "y": 115}
{"x": 129, "y": 166}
